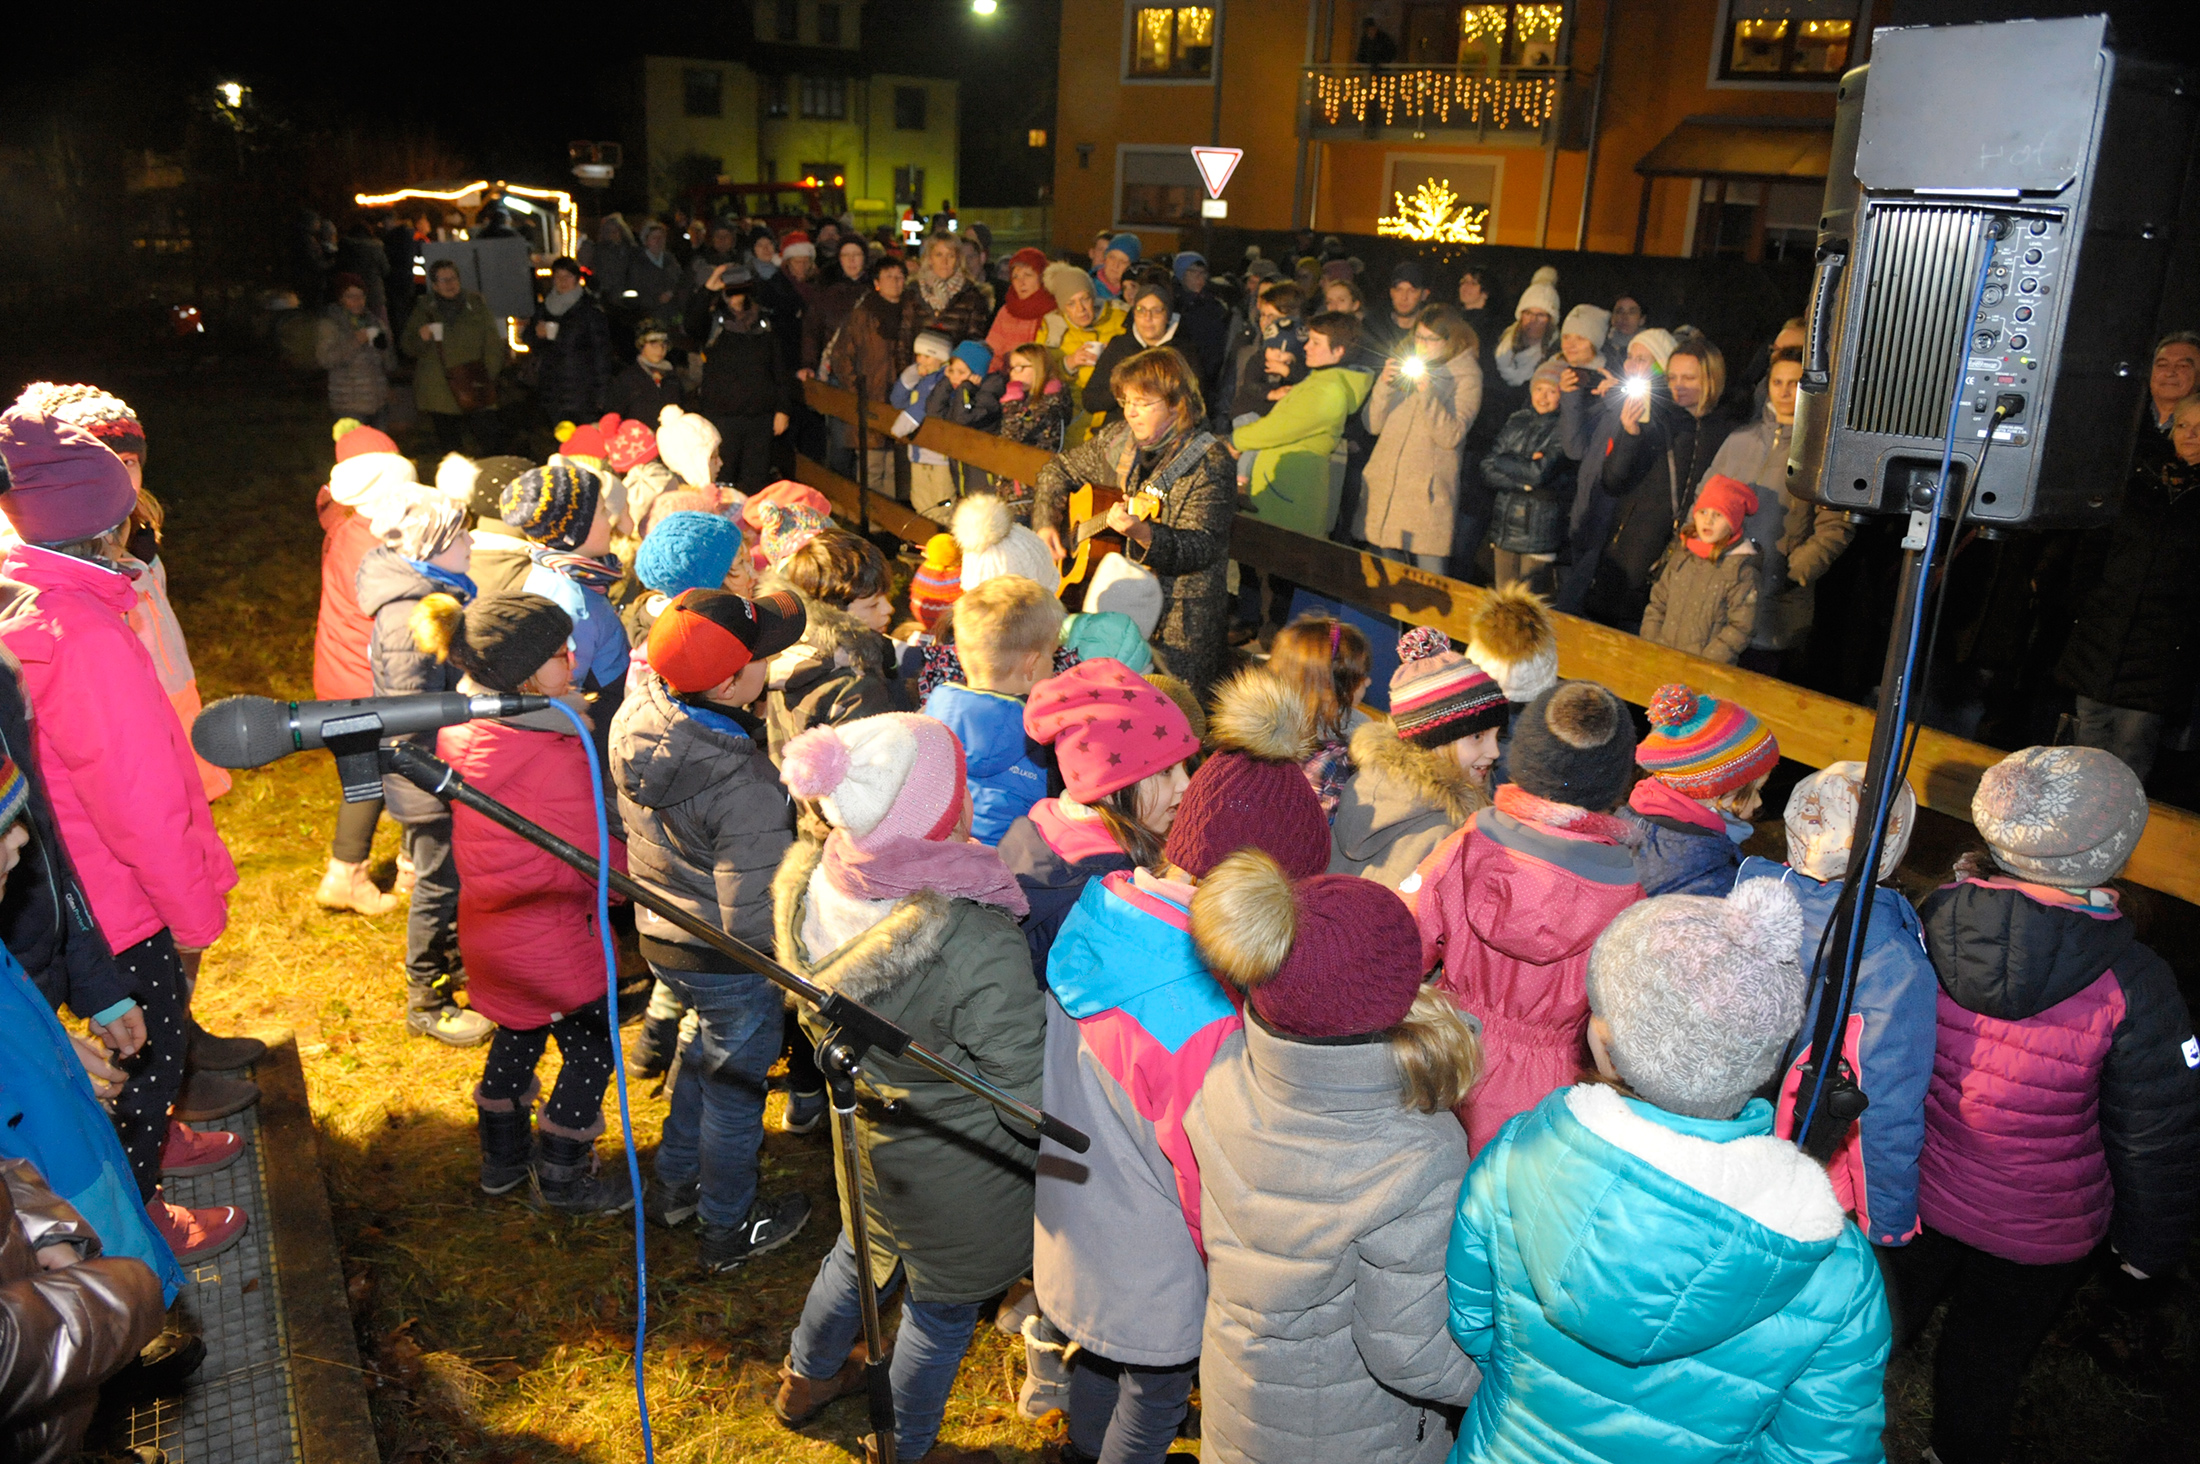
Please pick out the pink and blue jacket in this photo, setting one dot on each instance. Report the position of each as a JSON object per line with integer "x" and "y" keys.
{"x": 1133, "y": 1023}
{"x": 1054, "y": 857}
{"x": 2065, "y": 1097}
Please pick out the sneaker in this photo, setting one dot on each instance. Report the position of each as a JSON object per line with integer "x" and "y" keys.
{"x": 187, "y": 1150}
{"x": 450, "y": 1024}
{"x": 805, "y": 1111}
{"x": 196, "y": 1235}
{"x": 208, "y": 1096}
{"x": 223, "y": 1054}
{"x": 770, "y": 1225}
{"x": 350, "y": 887}
{"x": 671, "y": 1205}
{"x": 801, "y": 1399}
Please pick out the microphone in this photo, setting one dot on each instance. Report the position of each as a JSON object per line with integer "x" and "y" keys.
{"x": 252, "y": 731}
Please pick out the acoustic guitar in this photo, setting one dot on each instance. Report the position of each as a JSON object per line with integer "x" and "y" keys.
{"x": 1088, "y": 526}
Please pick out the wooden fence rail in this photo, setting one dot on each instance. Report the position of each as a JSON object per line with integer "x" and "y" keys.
{"x": 1813, "y": 728}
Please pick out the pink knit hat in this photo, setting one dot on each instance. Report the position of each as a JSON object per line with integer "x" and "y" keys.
{"x": 1109, "y": 726}
{"x": 898, "y": 775}
{"x": 1439, "y": 696}
{"x": 787, "y": 528}
{"x": 64, "y": 483}
{"x": 629, "y": 445}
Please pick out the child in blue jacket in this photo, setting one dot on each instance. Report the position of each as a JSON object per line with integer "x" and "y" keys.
{"x": 1005, "y": 632}
{"x": 1642, "y": 1270}
{"x": 1888, "y": 1037}
{"x": 1707, "y": 760}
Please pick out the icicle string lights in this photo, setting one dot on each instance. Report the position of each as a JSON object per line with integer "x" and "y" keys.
{"x": 1431, "y": 97}
{"x": 1433, "y": 215}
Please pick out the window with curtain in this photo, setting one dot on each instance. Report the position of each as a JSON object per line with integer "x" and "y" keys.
{"x": 1177, "y": 41}
{"x": 1787, "y": 40}
{"x": 824, "y": 97}
{"x": 1158, "y": 186}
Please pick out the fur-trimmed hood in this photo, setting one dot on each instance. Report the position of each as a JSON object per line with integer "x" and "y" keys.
{"x": 828, "y": 632}
{"x": 1397, "y": 772}
{"x": 875, "y": 963}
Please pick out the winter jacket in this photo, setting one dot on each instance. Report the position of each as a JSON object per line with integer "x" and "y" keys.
{"x": 1133, "y": 1024}
{"x": 1647, "y": 481}
{"x": 1291, "y": 485}
{"x": 946, "y": 1178}
{"x": 1066, "y": 340}
{"x": 358, "y": 374}
{"x": 640, "y": 394}
{"x": 570, "y": 371}
{"x": 390, "y": 589}
{"x": 1054, "y": 857}
{"x": 600, "y": 648}
{"x": 745, "y": 373}
{"x": 341, "y": 630}
{"x": 1035, "y": 421}
{"x": 526, "y": 919}
{"x": 500, "y": 563}
{"x": 1191, "y": 535}
{"x": 840, "y": 671}
{"x": 1797, "y": 541}
{"x": 2136, "y": 643}
{"x": 49, "y": 1117}
{"x": 1510, "y": 908}
{"x": 1525, "y": 466}
{"x": 153, "y": 620}
{"x": 2065, "y": 1099}
{"x": 911, "y": 395}
{"x": 1004, "y": 779}
{"x": 1009, "y": 331}
{"x": 105, "y": 742}
{"x": 782, "y": 303}
{"x": 62, "y": 1332}
{"x": 1411, "y": 500}
{"x": 470, "y": 333}
{"x": 1706, "y": 607}
{"x": 877, "y": 342}
{"x": 654, "y": 290}
{"x": 1324, "y": 1202}
{"x": 1399, "y": 803}
{"x": 966, "y": 316}
{"x": 1888, "y": 1042}
{"x": 1685, "y": 847}
{"x": 1097, "y": 396}
{"x": 45, "y": 918}
{"x": 706, "y": 819}
{"x": 1644, "y": 1288}
{"x": 974, "y": 404}
{"x": 826, "y": 315}
{"x": 1203, "y": 324}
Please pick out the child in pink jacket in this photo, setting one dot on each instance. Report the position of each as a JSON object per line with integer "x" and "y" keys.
{"x": 527, "y": 920}
{"x": 1510, "y": 904}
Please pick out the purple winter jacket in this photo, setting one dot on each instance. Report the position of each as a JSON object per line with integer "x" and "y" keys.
{"x": 2065, "y": 1097}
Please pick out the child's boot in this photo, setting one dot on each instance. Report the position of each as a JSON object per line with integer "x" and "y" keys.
{"x": 507, "y": 1141}
{"x": 430, "y": 1012}
{"x": 350, "y": 887}
{"x": 566, "y": 1176}
{"x": 1046, "y": 1369}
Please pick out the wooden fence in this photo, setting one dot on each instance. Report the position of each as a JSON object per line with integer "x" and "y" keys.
{"x": 1813, "y": 728}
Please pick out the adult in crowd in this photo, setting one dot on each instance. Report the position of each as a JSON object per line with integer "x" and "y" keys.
{"x": 951, "y": 302}
{"x": 747, "y": 389}
{"x": 353, "y": 347}
{"x": 1376, "y": 48}
{"x": 1533, "y": 334}
{"x": 1623, "y": 321}
{"x": 836, "y": 296}
{"x": 1290, "y": 482}
{"x": 1115, "y": 261}
{"x": 605, "y": 258}
{"x": 2133, "y": 656}
{"x": 1409, "y": 510}
{"x": 721, "y": 247}
{"x": 877, "y": 343}
{"x": 776, "y": 296}
{"x": 656, "y": 279}
{"x": 642, "y": 388}
{"x": 1205, "y": 321}
{"x": 1077, "y": 331}
{"x": 570, "y": 341}
{"x": 360, "y": 255}
{"x": 1023, "y": 314}
{"x": 1793, "y": 335}
{"x": 1392, "y": 334}
{"x": 457, "y": 353}
{"x": 1478, "y": 309}
{"x": 1796, "y": 540}
{"x": 1153, "y": 324}
{"x": 400, "y": 250}
{"x": 798, "y": 258}
{"x": 1181, "y": 532}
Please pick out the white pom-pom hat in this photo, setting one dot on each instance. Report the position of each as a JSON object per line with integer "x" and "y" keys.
{"x": 994, "y": 544}
{"x": 899, "y": 775}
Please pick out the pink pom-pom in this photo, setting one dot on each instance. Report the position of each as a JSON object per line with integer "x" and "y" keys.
{"x": 1672, "y": 706}
{"x": 814, "y": 763}
{"x": 1421, "y": 642}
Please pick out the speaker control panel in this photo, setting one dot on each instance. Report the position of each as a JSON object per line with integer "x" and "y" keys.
{"x": 2003, "y": 374}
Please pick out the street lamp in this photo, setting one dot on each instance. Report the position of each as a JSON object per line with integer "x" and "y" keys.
{"x": 232, "y": 93}
{"x": 985, "y": 7}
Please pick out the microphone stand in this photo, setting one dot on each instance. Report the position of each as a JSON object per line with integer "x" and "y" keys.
{"x": 852, "y": 1030}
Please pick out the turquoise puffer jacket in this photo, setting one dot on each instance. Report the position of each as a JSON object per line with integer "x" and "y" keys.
{"x": 1642, "y": 1287}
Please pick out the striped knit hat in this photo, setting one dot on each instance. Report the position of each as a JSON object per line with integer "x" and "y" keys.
{"x": 1702, "y": 746}
{"x": 552, "y": 506}
{"x": 937, "y": 583}
{"x": 1438, "y": 696}
{"x": 15, "y": 792}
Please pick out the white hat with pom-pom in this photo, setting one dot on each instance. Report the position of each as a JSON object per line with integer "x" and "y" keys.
{"x": 994, "y": 544}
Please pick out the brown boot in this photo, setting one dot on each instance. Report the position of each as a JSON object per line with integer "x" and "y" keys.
{"x": 802, "y": 1399}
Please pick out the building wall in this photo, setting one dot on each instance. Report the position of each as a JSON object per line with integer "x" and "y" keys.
{"x": 672, "y": 134}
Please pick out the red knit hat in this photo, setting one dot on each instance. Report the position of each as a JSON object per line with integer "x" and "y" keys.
{"x": 1730, "y": 496}
{"x": 587, "y": 440}
{"x": 937, "y": 583}
{"x": 1110, "y": 728}
{"x": 64, "y": 483}
{"x": 1253, "y": 793}
{"x": 1331, "y": 956}
{"x": 628, "y": 443}
{"x": 354, "y": 437}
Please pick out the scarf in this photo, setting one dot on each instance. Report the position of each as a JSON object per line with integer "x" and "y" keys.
{"x": 939, "y": 293}
{"x": 1175, "y": 455}
{"x": 448, "y": 311}
{"x": 1563, "y": 818}
{"x": 896, "y": 868}
{"x": 1704, "y": 548}
{"x": 1034, "y": 306}
{"x": 594, "y": 574}
{"x": 1653, "y": 798}
{"x": 728, "y": 721}
{"x": 557, "y": 302}
{"x": 458, "y": 584}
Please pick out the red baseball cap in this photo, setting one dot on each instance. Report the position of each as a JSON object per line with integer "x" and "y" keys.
{"x": 706, "y": 636}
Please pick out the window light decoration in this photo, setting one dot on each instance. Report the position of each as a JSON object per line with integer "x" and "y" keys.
{"x": 1432, "y": 97}
{"x": 1480, "y": 24}
{"x": 1433, "y": 215}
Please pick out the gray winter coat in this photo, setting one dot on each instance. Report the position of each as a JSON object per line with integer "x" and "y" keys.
{"x": 1797, "y": 540}
{"x": 1706, "y": 607}
{"x": 390, "y": 590}
{"x": 1411, "y": 500}
{"x": 1327, "y": 1207}
{"x": 707, "y": 821}
{"x": 1399, "y": 804}
{"x": 358, "y": 375}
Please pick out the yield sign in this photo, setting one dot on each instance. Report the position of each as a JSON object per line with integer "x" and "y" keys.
{"x": 1216, "y": 164}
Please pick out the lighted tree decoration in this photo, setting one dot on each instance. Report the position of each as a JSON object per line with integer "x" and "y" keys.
{"x": 1434, "y": 214}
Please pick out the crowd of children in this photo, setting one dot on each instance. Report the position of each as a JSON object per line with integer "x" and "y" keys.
{"x": 1439, "y": 1064}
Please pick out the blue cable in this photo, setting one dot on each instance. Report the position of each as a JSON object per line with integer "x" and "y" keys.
{"x": 1900, "y": 711}
{"x": 618, "y": 1065}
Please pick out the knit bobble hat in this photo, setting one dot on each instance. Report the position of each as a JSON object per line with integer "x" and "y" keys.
{"x": 414, "y": 519}
{"x": 354, "y": 437}
{"x": 937, "y": 583}
{"x": 1065, "y": 282}
{"x": 787, "y": 527}
{"x": 359, "y": 475}
{"x": 1700, "y": 995}
{"x": 687, "y": 551}
{"x": 787, "y": 491}
{"x": 1575, "y": 744}
{"x": 975, "y": 356}
{"x": 454, "y": 477}
{"x": 686, "y": 441}
{"x": 1106, "y": 633}
{"x": 1541, "y": 294}
{"x": 1438, "y": 696}
{"x": 1253, "y": 793}
{"x": 1109, "y": 729}
{"x": 15, "y": 792}
{"x": 1187, "y": 701}
{"x": 630, "y": 444}
{"x": 1659, "y": 343}
{"x": 555, "y": 507}
{"x": 1512, "y": 638}
{"x": 994, "y": 544}
{"x": 498, "y": 640}
{"x": 897, "y": 775}
{"x": 63, "y": 484}
{"x": 2065, "y": 816}
{"x": 492, "y": 475}
{"x": 1334, "y": 955}
{"x": 1729, "y": 496}
{"x": 1129, "y": 589}
{"x": 587, "y": 440}
{"x": 96, "y": 410}
{"x": 1126, "y": 244}
{"x": 1591, "y": 322}
{"x": 1702, "y": 746}
{"x": 932, "y": 343}
{"x": 1824, "y": 815}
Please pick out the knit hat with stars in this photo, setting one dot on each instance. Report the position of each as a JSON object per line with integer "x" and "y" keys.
{"x": 1110, "y": 727}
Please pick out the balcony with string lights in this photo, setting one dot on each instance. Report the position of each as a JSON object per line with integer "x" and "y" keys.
{"x": 1492, "y": 74}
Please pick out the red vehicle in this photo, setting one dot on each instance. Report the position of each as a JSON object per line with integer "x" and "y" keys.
{"x": 781, "y": 206}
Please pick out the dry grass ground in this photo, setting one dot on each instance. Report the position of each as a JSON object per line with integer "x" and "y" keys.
{"x": 497, "y": 1332}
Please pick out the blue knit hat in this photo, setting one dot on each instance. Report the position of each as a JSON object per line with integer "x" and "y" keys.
{"x": 974, "y": 355}
{"x": 555, "y": 507}
{"x": 687, "y": 551}
{"x": 1128, "y": 243}
{"x": 1185, "y": 259}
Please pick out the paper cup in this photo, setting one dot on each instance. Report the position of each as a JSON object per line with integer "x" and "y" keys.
{"x": 435, "y": 328}
{"x": 549, "y": 330}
